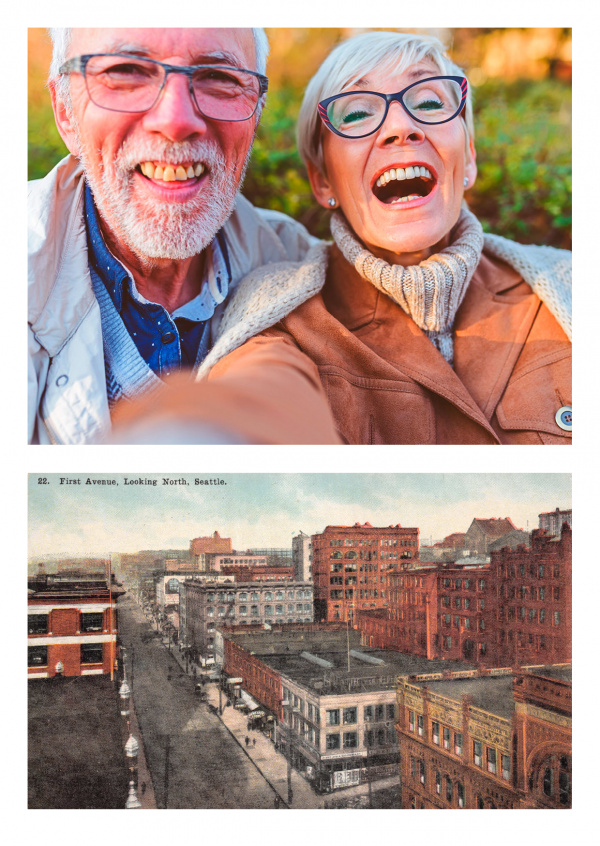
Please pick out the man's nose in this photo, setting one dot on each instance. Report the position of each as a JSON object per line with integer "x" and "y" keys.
{"x": 174, "y": 114}
{"x": 399, "y": 127}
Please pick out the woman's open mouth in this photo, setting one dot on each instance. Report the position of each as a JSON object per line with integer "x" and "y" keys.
{"x": 401, "y": 185}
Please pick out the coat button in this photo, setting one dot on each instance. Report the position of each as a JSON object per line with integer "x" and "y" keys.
{"x": 564, "y": 418}
{"x": 168, "y": 337}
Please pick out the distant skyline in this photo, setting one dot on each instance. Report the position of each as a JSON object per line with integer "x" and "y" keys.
{"x": 265, "y": 510}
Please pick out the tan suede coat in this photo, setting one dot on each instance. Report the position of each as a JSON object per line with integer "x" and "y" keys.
{"x": 387, "y": 384}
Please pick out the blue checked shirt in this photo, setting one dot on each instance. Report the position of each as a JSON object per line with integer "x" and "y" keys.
{"x": 166, "y": 342}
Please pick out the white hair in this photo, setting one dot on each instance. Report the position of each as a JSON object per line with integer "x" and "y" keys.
{"x": 61, "y": 40}
{"x": 358, "y": 56}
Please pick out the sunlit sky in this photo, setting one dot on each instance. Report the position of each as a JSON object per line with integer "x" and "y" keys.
{"x": 265, "y": 510}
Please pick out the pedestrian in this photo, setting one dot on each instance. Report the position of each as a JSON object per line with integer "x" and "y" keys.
{"x": 247, "y": 741}
{"x": 253, "y": 742}
{"x": 143, "y": 787}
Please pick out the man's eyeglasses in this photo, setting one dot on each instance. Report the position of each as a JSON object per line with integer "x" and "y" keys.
{"x": 122, "y": 82}
{"x": 356, "y": 114}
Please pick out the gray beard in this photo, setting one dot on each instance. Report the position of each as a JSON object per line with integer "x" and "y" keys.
{"x": 164, "y": 230}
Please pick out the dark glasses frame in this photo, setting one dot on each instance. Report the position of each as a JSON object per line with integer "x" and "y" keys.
{"x": 398, "y": 97}
{"x": 78, "y": 64}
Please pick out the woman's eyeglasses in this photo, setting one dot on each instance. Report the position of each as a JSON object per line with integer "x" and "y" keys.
{"x": 356, "y": 114}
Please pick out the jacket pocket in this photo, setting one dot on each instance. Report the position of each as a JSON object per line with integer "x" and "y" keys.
{"x": 534, "y": 395}
{"x": 378, "y": 411}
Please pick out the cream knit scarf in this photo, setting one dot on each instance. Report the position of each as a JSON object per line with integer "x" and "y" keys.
{"x": 430, "y": 292}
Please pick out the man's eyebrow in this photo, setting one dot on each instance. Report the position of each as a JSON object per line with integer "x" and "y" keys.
{"x": 217, "y": 57}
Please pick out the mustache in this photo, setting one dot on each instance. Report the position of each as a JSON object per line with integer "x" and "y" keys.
{"x": 132, "y": 153}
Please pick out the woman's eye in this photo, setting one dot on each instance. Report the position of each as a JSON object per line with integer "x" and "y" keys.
{"x": 352, "y": 117}
{"x": 429, "y": 105}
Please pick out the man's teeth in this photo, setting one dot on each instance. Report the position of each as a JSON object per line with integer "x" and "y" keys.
{"x": 171, "y": 173}
{"x": 403, "y": 173}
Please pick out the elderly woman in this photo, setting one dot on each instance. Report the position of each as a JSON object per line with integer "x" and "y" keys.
{"x": 422, "y": 329}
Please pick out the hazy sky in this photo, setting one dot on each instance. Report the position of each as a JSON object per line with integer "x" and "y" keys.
{"x": 265, "y": 510}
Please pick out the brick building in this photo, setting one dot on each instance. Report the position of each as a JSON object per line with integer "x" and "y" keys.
{"x": 210, "y": 544}
{"x": 349, "y": 566}
{"x": 515, "y": 610}
{"x": 495, "y": 740}
{"x": 259, "y": 573}
{"x": 208, "y": 604}
{"x": 71, "y": 623}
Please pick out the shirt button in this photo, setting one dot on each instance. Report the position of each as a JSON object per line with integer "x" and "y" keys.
{"x": 62, "y": 380}
{"x": 168, "y": 337}
{"x": 564, "y": 418}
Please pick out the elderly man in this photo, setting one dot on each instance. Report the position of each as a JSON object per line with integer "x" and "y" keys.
{"x": 138, "y": 237}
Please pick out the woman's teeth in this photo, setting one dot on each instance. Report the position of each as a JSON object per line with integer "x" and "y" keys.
{"x": 171, "y": 173}
{"x": 403, "y": 173}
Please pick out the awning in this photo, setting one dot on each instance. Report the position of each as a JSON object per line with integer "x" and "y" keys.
{"x": 248, "y": 701}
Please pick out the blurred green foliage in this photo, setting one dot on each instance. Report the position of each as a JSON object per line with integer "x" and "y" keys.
{"x": 523, "y": 142}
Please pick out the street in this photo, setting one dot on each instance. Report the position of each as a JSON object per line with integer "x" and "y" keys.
{"x": 194, "y": 761}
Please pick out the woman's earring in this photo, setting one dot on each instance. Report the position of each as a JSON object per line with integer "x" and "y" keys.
{"x": 465, "y": 181}
{"x": 332, "y": 202}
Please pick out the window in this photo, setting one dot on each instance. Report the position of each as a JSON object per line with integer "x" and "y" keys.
{"x": 505, "y": 762}
{"x": 332, "y": 741}
{"x": 37, "y": 624}
{"x": 446, "y": 738}
{"x": 279, "y": 609}
{"x": 268, "y": 609}
{"x": 435, "y": 733}
{"x": 491, "y": 760}
{"x": 422, "y": 772}
{"x": 481, "y": 584}
{"x": 210, "y": 611}
{"x": 438, "y": 782}
{"x": 254, "y": 597}
{"x": 254, "y": 611}
{"x": 279, "y": 594}
{"x": 460, "y": 790}
{"x": 557, "y": 618}
{"x": 37, "y": 656}
{"x": 333, "y": 717}
{"x": 420, "y": 724}
{"x": 541, "y": 571}
{"x": 91, "y": 653}
{"x": 458, "y": 743}
{"x": 350, "y": 740}
{"x": 243, "y": 597}
{"x": 477, "y": 759}
{"x": 542, "y": 594}
{"x": 92, "y": 622}
{"x": 379, "y": 712}
{"x": 221, "y": 611}
{"x": 411, "y": 720}
{"x": 368, "y": 715}
{"x": 268, "y": 596}
{"x": 448, "y": 789}
{"x": 391, "y": 711}
{"x": 413, "y": 768}
{"x": 350, "y": 715}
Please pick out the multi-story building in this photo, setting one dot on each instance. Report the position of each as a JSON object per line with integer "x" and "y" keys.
{"x": 71, "y": 626}
{"x": 217, "y": 561}
{"x": 302, "y": 557}
{"x": 349, "y": 566}
{"x": 491, "y": 740}
{"x": 515, "y": 610}
{"x": 336, "y": 711}
{"x": 531, "y": 612}
{"x": 214, "y": 543}
{"x": 262, "y": 573}
{"x": 552, "y": 521}
{"x": 209, "y": 604}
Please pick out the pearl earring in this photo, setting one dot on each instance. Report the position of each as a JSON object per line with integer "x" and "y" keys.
{"x": 465, "y": 181}
{"x": 332, "y": 202}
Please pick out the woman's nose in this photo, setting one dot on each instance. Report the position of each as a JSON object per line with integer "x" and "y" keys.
{"x": 399, "y": 128}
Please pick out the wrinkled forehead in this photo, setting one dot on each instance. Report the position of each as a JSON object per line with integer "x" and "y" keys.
{"x": 189, "y": 46}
